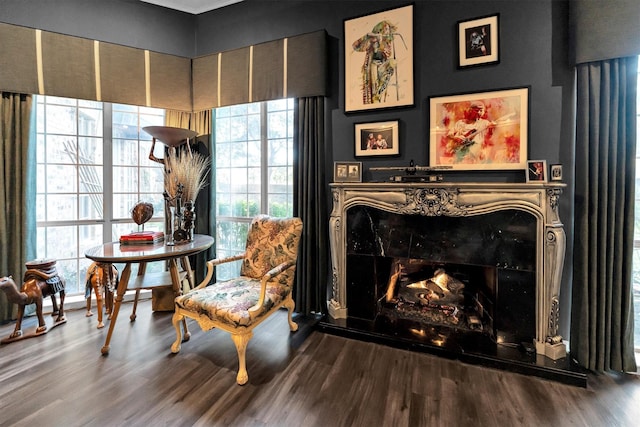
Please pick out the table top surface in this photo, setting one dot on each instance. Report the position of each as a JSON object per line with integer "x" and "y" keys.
{"x": 115, "y": 253}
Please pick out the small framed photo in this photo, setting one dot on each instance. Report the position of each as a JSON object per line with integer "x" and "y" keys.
{"x": 536, "y": 171}
{"x": 347, "y": 171}
{"x": 478, "y": 41}
{"x": 555, "y": 172}
{"x": 377, "y": 139}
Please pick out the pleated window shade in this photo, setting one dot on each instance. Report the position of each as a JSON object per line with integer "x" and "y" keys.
{"x": 18, "y": 59}
{"x": 122, "y": 73}
{"x": 40, "y": 62}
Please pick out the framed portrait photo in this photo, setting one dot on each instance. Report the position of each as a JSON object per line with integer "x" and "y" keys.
{"x": 555, "y": 172}
{"x": 377, "y": 139}
{"x": 536, "y": 171}
{"x": 480, "y": 131}
{"x": 478, "y": 41}
{"x": 378, "y": 62}
{"x": 347, "y": 171}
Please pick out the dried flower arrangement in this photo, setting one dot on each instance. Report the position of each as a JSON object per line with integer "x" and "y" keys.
{"x": 187, "y": 170}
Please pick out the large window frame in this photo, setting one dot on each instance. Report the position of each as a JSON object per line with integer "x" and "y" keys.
{"x": 253, "y": 171}
{"x": 92, "y": 167}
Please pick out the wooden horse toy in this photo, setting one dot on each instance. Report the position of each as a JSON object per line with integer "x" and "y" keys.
{"x": 103, "y": 279}
{"x": 40, "y": 280}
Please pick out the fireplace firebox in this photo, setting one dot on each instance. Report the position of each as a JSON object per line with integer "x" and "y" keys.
{"x": 460, "y": 262}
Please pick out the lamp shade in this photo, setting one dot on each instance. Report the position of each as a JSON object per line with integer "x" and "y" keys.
{"x": 170, "y": 136}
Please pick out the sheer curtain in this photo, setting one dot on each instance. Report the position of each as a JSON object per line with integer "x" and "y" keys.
{"x": 17, "y": 192}
{"x": 310, "y": 205}
{"x": 602, "y": 301}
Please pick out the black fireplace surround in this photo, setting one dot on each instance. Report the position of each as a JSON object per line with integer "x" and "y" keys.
{"x": 460, "y": 286}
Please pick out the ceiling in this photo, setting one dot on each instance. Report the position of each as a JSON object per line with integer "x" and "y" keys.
{"x": 192, "y": 6}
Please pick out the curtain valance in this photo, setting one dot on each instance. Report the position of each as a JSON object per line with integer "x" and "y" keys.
{"x": 39, "y": 62}
{"x": 604, "y": 30}
{"x": 285, "y": 68}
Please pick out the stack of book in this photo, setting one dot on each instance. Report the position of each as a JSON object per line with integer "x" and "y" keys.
{"x": 142, "y": 238}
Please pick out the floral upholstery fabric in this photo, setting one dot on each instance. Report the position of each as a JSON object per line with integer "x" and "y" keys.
{"x": 270, "y": 242}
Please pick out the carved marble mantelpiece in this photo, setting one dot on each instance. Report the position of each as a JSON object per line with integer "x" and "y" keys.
{"x": 463, "y": 200}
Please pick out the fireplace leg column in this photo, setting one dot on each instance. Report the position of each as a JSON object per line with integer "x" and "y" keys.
{"x": 549, "y": 342}
{"x": 336, "y": 305}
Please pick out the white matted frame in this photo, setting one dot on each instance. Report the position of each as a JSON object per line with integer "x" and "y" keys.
{"x": 347, "y": 171}
{"x": 480, "y": 131}
{"x": 555, "y": 172}
{"x": 377, "y": 139}
{"x": 536, "y": 171}
{"x": 478, "y": 41}
{"x": 378, "y": 62}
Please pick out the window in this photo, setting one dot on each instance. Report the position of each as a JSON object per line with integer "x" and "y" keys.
{"x": 636, "y": 240}
{"x": 92, "y": 167}
{"x": 254, "y": 171}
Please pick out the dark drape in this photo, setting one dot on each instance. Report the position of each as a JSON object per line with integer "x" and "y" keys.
{"x": 17, "y": 192}
{"x": 602, "y": 303}
{"x": 310, "y": 205}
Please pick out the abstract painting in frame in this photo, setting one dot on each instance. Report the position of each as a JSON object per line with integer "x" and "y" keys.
{"x": 480, "y": 131}
{"x": 478, "y": 41}
{"x": 377, "y": 139}
{"x": 378, "y": 70}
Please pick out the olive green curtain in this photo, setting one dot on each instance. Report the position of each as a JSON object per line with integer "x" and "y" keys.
{"x": 310, "y": 204}
{"x": 602, "y": 302}
{"x": 17, "y": 192}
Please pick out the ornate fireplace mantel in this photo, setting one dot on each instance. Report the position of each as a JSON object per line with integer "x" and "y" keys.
{"x": 463, "y": 200}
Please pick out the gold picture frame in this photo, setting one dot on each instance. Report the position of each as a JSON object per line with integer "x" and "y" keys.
{"x": 480, "y": 131}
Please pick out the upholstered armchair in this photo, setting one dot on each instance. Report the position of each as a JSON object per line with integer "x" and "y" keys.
{"x": 240, "y": 304}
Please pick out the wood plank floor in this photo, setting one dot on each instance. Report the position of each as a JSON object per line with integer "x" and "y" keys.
{"x": 307, "y": 378}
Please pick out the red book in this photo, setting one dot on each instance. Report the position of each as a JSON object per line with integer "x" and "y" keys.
{"x": 138, "y": 237}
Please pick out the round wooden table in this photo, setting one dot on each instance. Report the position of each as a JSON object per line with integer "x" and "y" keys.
{"x": 113, "y": 253}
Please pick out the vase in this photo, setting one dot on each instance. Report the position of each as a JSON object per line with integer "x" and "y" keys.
{"x": 169, "y": 234}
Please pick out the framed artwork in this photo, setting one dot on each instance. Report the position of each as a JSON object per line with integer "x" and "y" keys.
{"x": 478, "y": 41}
{"x": 377, "y": 139}
{"x": 378, "y": 60}
{"x": 556, "y": 172}
{"x": 347, "y": 171}
{"x": 536, "y": 171}
{"x": 480, "y": 131}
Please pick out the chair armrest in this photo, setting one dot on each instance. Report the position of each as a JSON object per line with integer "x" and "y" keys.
{"x": 263, "y": 284}
{"x": 211, "y": 264}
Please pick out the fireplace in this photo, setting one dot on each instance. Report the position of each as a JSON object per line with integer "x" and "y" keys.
{"x": 471, "y": 265}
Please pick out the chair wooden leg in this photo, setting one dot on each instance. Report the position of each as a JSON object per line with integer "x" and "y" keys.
{"x": 241, "y": 341}
{"x": 177, "y": 318}
{"x": 291, "y": 305}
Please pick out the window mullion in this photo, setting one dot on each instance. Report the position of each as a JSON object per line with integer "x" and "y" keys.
{"x": 264, "y": 158}
{"x": 107, "y": 171}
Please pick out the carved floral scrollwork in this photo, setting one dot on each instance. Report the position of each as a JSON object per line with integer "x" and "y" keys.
{"x": 433, "y": 202}
{"x": 554, "y": 196}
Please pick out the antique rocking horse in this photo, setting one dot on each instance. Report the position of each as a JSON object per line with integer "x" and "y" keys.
{"x": 40, "y": 281}
{"x": 103, "y": 280}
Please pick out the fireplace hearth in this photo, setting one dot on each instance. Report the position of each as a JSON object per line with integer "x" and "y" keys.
{"x": 465, "y": 270}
